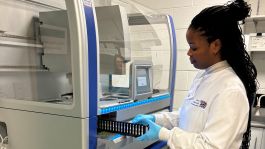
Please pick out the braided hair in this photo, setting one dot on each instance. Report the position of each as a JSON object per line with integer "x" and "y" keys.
{"x": 222, "y": 22}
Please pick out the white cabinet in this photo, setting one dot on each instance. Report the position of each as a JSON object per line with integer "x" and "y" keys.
{"x": 257, "y": 138}
{"x": 254, "y": 32}
{"x": 254, "y": 24}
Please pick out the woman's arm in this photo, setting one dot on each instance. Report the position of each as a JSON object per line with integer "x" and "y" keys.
{"x": 167, "y": 119}
{"x": 226, "y": 123}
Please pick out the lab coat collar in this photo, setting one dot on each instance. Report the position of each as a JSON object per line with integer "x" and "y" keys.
{"x": 217, "y": 67}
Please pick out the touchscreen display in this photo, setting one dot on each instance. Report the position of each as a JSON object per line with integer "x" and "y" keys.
{"x": 142, "y": 81}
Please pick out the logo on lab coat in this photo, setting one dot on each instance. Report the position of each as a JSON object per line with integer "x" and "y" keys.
{"x": 199, "y": 103}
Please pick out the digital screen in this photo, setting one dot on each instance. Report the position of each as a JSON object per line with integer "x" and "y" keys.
{"x": 142, "y": 81}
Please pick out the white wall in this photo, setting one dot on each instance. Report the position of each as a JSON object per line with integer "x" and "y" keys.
{"x": 182, "y": 13}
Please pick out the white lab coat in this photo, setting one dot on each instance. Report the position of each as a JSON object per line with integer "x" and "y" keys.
{"x": 213, "y": 115}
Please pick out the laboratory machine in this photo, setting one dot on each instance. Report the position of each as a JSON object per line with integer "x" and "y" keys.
{"x": 73, "y": 73}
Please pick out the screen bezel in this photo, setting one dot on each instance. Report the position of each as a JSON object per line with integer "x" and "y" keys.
{"x": 138, "y": 65}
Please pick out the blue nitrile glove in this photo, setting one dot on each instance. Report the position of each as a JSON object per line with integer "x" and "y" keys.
{"x": 140, "y": 117}
{"x": 152, "y": 133}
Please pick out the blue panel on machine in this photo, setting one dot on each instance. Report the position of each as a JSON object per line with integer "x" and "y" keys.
{"x": 132, "y": 104}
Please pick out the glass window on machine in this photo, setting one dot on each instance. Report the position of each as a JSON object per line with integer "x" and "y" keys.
{"x": 35, "y": 59}
{"x": 128, "y": 34}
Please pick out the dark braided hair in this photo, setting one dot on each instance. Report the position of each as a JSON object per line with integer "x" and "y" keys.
{"x": 222, "y": 22}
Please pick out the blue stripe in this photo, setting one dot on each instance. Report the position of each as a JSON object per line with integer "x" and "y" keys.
{"x": 174, "y": 61}
{"x": 133, "y": 104}
{"x": 92, "y": 132}
{"x": 92, "y": 61}
{"x": 113, "y": 138}
{"x": 92, "y": 77}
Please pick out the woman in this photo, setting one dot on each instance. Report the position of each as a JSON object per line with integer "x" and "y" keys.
{"x": 119, "y": 65}
{"x": 216, "y": 112}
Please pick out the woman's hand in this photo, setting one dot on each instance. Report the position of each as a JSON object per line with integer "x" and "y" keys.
{"x": 152, "y": 133}
{"x": 140, "y": 117}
